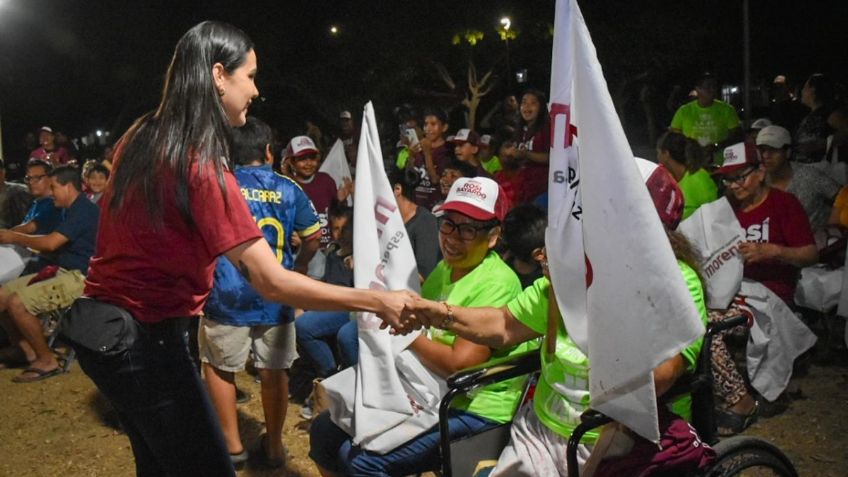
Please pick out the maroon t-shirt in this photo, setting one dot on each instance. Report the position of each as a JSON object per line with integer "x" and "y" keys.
{"x": 780, "y": 219}
{"x": 428, "y": 193}
{"x": 533, "y": 175}
{"x": 165, "y": 271}
{"x": 322, "y": 191}
{"x": 57, "y": 157}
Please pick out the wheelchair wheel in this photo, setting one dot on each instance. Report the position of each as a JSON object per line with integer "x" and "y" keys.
{"x": 750, "y": 457}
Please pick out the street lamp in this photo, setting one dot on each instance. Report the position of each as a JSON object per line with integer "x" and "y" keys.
{"x": 506, "y": 22}
{"x": 334, "y": 30}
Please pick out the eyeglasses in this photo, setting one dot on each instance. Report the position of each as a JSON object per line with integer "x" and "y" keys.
{"x": 31, "y": 179}
{"x": 738, "y": 180}
{"x": 467, "y": 232}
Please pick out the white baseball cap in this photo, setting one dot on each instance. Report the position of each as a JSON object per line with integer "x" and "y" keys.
{"x": 480, "y": 198}
{"x": 301, "y": 146}
{"x": 774, "y": 136}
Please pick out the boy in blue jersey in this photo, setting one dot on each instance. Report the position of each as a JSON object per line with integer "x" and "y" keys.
{"x": 237, "y": 319}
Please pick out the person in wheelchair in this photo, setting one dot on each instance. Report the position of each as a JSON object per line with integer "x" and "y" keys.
{"x": 471, "y": 274}
{"x": 61, "y": 265}
{"x": 541, "y": 429}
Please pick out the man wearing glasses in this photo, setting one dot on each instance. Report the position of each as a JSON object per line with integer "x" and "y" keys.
{"x": 43, "y": 216}
{"x": 61, "y": 264}
{"x": 779, "y": 239}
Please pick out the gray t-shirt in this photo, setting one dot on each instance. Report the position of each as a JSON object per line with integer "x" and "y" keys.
{"x": 815, "y": 190}
{"x": 423, "y": 232}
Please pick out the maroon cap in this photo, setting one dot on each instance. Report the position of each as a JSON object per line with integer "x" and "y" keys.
{"x": 738, "y": 157}
{"x": 480, "y": 198}
{"x": 667, "y": 197}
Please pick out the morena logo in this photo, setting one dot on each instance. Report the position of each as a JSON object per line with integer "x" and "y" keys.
{"x": 730, "y": 156}
{"x": 304, "y": 141}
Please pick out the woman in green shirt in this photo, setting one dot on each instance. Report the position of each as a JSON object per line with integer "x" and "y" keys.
{"x": 471, "y": 274}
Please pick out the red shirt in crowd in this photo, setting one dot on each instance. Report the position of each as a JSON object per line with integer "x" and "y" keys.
{"x": 165, "y": 271}
{"x": 322, "y": 191}
{"x": 57, "y": 157}
{"x": 533, "y": 176}
{"x": 780, "y": 219}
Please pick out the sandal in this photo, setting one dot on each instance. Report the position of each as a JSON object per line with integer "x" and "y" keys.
{"x": 261, "y": 455}
{"x": 31, "y": 375}
{"x": 730, "y": 423}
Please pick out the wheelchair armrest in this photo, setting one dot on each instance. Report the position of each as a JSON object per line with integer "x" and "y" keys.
{"x": 725, "y": 324}
{"x": 496, "y": 370}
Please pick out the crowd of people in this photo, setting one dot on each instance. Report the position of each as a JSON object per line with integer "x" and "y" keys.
{"x": 205, "y": 231}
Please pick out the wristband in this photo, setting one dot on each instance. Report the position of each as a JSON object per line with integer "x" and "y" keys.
{"x": 448, "y": 319}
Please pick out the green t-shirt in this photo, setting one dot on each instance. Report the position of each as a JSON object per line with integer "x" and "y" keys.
{"x": 493, "y": 165}
{"x": 562, "y": 393}
{"x": 710, "y": 125}
{"x": 492, "y": 283}
{"x": 698, "y": 188}
{"x": 402, "y": 157}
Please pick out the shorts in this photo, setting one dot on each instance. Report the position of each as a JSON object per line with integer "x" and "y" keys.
{"x": 226, "y": 347}
{"x": 48, "y": 295}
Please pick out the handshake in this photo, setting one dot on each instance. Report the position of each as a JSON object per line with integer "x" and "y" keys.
{"x": 405, "y": 312}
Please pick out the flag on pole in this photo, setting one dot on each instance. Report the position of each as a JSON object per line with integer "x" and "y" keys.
{"x": 389, "y": 397}
{"x": 336, "y": 165}
{"x": 619, "y": 289}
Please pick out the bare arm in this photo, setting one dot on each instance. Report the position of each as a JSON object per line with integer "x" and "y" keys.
{"x": 26, "y": 228}
{"x": 446, "y": 360}
{"x": 309, "y": 245}
{"x": 537, "y": 157}
{"x": 492, "y": 327}
{"x": 43, "y": 243}
{"x": 803, "y": 256}
{"x": 257, "y": 263}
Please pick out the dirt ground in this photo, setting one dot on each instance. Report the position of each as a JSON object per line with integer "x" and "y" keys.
{"x": 62, "y": 426}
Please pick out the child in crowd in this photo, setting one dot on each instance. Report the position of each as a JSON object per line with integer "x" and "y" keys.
{"x": 96, "y": 178}
{"x": 301, "y": 162}
{"x": 524, "y": 234}
{"x": 531, "y": 146}
{"x": 452, "y": 171}
{"x": 429, "y": 157}
{"x": 466, "y": 147}
{"x": 486, "y": 153}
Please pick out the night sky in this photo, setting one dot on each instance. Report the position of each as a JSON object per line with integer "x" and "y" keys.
{"x": 84, "y": 65}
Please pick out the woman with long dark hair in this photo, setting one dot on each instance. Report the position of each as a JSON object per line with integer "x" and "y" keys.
{"x": 531, "y": 146}
{"x": 171, "y": 209}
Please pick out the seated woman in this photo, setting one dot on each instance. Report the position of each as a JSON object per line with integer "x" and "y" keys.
{"x": 541, "y": 429}
{"x": 471, "y": 274}
{"x": 779, "y": 238}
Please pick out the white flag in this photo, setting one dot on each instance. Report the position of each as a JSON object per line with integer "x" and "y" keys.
{"x": 618, "y": 286}
{"x": 392, "y": 397}
{"x": 336, "y": 165}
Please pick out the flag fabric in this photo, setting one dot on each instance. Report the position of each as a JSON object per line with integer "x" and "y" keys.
{"x": 618, "y": 286}
{"x": 389, "y": 397}
{"x": 336, "y": 165}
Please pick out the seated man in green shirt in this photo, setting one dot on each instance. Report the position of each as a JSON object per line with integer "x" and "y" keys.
{"x": 540, "y": 431}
